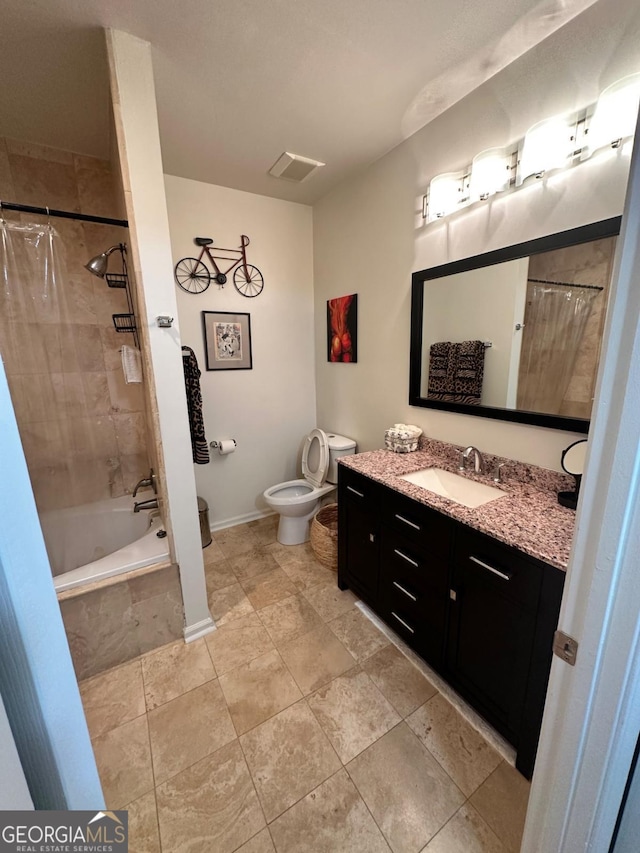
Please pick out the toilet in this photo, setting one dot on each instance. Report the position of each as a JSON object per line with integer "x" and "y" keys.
{"x": 297, "y": 500}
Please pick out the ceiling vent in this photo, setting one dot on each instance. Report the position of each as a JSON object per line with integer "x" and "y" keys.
{"x": 293, "y": 167}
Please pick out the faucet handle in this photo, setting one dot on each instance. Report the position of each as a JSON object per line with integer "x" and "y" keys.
{"x": 497, "y": 472}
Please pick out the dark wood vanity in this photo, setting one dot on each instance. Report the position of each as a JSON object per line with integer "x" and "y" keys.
{"x": 478, "y": 611}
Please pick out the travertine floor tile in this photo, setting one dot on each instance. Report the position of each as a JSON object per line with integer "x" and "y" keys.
{"x": 113, "y": 698}
{"x": 288, "y": 756}
{"x": 251, "y": 563}
{"x": 358, "y": 634}
{"x": 235, "y": 540}
{"x": 174, "y": 670}
{"x": 218, "y": 575}
{"x": 123, "y": 757}
{"x": 212, "y": 554}
{"x": 290, "y": 553}
{"x": 329, "y": 601}
{"x": 258, "y": 690}
{"x": 186, "y": 729}
{"x": 502, "y": 801}
{"x": 238, "y": 642}
{"x": 407, "y": 792}
{"x": 460, "y": 749}
{"x": 352, "y": 712}
{"x": 260, "y": 843}
{"x": 229, "y": 603}
{"x": 307, "y": 573}
{"x": 466, "y": 832}
{"x": 315, "y": 658}
{"x": 268, "y": 588}
{"x": 289, "y": 619}
{"x": 144, "y": 836}
{"x": 331, "y": 819}
{"x": 400, "y": 682}
{"x": 210, "y": 806}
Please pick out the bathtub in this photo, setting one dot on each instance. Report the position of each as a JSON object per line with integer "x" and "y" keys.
{"x": 99, "y": 540}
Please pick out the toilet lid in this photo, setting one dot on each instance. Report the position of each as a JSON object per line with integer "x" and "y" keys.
{"x": 315, "y": 457}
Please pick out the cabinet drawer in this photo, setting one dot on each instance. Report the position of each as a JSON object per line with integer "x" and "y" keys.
{"x": 512, "y": 574}
{"x": 357, "y": 487}
{"x": 424, "y": 526}
{"x": 405, "y": 563}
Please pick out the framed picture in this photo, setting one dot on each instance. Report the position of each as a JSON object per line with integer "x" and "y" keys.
{"x": 342, "y": 329}
{"x": 227, "y": 340}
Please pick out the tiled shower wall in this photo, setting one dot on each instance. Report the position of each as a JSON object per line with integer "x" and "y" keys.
{"x": 83, "y": 429}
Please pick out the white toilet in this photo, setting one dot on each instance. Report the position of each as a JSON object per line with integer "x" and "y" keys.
{"x": 297, "y": 500}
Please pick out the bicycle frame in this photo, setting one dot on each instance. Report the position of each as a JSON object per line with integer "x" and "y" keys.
{"x": 241, "y": 260}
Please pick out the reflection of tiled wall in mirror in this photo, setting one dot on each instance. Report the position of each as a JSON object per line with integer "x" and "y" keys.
{"x": 588, "y": 264}
{"x": 83, "y": 429}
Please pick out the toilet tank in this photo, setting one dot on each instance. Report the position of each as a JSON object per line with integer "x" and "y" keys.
{"x": 339, "y": 445}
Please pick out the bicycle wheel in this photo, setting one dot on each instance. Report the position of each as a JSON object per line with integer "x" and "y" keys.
{"x": 192, "y": 275}
{"x": 248, "y": 282}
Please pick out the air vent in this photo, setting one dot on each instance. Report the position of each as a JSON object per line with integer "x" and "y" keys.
{"x": 293, "y": 167}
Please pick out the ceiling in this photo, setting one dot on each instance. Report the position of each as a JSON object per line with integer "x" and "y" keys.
{"x": 240, "y": 81}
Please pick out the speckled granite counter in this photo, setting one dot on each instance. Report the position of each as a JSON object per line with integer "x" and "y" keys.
{"x": 528, "y": 518}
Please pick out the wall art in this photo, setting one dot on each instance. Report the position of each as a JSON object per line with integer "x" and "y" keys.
{"x": 342, "y": 329}
{"x": 227, "y": 340}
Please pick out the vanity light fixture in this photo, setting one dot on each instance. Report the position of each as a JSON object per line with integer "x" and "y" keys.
{"x": 614, "y": 118}
{"x": 550, "y": 144}
{"x": 490, "y": 173}
{"x": 546, "y": 146}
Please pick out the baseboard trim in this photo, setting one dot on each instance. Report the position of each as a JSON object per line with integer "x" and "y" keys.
{"x": 199, "y": 629}
{"x": 239, "y": 519}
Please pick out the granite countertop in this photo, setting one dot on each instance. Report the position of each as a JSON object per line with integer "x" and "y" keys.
{"x": 529, "y": 518}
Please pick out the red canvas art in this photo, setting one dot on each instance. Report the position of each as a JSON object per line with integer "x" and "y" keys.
{"x": 342, "y": 329}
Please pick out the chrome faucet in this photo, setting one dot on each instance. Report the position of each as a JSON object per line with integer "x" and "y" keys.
{"x": 152, "y": 503}
{"x": 478, "y": 461}
{"x": 146, "y": 481}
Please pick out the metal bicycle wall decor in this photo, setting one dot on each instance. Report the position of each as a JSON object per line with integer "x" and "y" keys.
{"x": 193, "y": 276}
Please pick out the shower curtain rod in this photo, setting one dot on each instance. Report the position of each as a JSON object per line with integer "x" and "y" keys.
{"x": 566, "y": 284}
{"x": 64, "y": 214}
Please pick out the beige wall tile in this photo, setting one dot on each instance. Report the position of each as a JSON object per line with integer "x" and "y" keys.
{"x": 39, "y": 152}
{"x": 43, "y": 182}
{"x": 187, "y": 729}
{"x": 6, "y": 181}
{"x": 158, "y": 620}
{"x": 130, "y": 432}
{"x": 407, "y": 791}
{"x": 96, "y": 186}
{"x": 124, "y": 397}
{"x": 288, "y": 756}
{"x": 211, "y": 806}
{"x": 164, "y": 581}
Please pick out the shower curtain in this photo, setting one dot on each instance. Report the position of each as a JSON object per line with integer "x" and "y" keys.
{"x": 554, "y": 325}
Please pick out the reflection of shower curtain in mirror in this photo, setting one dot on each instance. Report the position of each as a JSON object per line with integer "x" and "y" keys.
{"x": 554, "y": 325}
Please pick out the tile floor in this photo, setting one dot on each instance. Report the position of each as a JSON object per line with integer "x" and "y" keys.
{"x": 296, "y": 727}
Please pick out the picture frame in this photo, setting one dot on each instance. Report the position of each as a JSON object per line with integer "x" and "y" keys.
{"x": 227, "y": 340}
{"x": 342, "y": 329}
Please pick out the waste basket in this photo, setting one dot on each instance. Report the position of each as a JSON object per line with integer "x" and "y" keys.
{"x": 205, "y": 530}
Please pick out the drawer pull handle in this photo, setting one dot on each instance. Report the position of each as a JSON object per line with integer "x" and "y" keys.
{"x": 404, "y": 557}
{"x": 406, "y": 591}
{"x": 355, "y": 491}
{"x": 406, "y": 521}
{"x": 503, "y": 575}
{"x": 402, "y": 622}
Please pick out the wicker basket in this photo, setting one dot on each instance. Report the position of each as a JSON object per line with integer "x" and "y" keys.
{"x": 324, "y": 536}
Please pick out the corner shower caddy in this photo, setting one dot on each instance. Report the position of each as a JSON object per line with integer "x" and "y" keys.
{"x": 124, "y": 322}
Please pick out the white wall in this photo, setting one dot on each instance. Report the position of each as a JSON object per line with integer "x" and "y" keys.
{"x": 270, "y": 408}
{"x": 369, "y": 237}
{"x": 483, "y": 304}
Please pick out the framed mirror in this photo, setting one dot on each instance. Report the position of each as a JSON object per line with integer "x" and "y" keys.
{"x": 515, "y": 334}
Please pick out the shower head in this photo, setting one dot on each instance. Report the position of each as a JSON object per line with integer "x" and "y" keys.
{"x": 98, "y": 265}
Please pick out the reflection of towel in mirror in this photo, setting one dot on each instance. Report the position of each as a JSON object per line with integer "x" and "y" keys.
{"x": 456, "y": 372}
{"x": 199, "y": 445}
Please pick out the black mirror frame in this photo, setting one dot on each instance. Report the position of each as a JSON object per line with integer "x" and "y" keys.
{"x": 561, "y": 240}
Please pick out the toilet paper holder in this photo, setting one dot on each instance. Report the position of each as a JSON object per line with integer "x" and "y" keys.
{"x": 214, "y": 445}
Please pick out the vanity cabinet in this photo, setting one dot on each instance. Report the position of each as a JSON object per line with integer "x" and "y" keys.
{"x": 481, "y": 613}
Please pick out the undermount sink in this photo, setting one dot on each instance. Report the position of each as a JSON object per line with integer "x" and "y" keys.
{"x": 459, "y": 489}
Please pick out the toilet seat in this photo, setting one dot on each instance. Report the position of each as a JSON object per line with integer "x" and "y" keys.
{"x": 315, "y": 470}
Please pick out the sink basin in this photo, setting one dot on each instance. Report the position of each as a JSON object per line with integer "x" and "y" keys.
{"x": 453, "y": 486}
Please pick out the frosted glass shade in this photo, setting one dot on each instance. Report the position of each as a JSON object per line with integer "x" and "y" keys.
{"x": 546, "y": 146}
{"x": 445, "y": 194}
{"x": 489, "y": 173}
{"x": 615, "y": 114}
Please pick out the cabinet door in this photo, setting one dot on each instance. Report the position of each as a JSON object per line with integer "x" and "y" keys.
{"x": 491, "y": 633}
{"x": 358, "y": 557}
